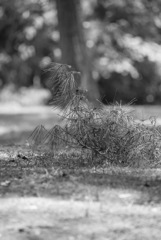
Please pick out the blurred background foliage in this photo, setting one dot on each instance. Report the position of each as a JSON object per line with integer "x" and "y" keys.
{"x": 123, "y": 39}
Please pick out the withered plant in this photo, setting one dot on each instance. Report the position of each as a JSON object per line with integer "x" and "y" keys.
{"x": 109, "y": 134}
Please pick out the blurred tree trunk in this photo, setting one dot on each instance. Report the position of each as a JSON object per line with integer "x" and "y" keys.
{"x": 72, "y": 42}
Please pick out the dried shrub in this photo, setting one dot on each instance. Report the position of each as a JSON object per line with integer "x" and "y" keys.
{"x": 107, "y": 133}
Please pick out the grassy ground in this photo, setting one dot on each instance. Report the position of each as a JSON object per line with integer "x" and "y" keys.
{"x": 43, "y": 197}
{"x": 58, "y": 203}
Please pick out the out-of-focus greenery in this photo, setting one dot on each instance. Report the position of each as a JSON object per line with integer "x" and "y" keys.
{"x": 123, "y": 37}
{"x": 28, "y": 40}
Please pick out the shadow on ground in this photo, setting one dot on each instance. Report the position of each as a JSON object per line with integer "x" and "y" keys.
{"x": 23, "y": 175}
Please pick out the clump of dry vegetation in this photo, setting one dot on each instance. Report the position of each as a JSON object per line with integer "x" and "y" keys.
{"x": 108, "y": 135}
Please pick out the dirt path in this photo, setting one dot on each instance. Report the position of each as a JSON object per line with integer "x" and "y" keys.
{"x": 48, "y": 218}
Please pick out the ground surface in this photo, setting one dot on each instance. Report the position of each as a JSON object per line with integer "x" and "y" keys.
{"x": 40, "y": 199}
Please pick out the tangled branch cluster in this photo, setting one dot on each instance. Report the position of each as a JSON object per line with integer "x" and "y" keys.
{"x": 110, "y": 133}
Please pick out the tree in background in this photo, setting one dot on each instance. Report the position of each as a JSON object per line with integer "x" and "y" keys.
{"x": 126, "y": 40}
{"x": 73, "y": 44}
{"x": 122, "y": 37}
{"x": 27, "y": 43}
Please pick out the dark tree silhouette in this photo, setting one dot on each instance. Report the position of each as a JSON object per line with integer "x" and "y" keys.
{"x": 72, "y": 42}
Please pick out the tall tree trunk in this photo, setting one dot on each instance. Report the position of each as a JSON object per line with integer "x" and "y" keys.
{"x": 72, "y": 42}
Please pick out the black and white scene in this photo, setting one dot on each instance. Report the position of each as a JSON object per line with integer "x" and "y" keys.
{"x": 80, "y": 119}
